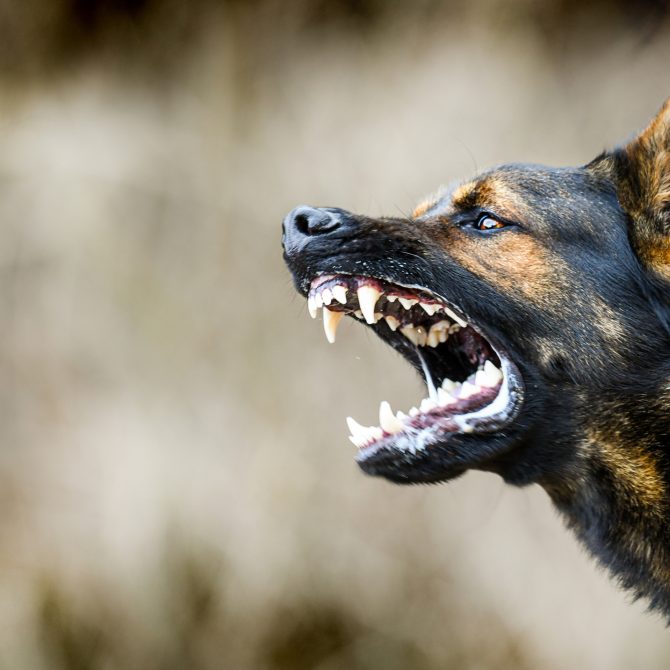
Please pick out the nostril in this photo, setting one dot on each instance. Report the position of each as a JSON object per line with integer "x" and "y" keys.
{"x": 301, "y": 222}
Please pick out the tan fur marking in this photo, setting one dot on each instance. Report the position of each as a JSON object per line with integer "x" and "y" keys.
{"x": 423, "y": 207}
{"x": 462, "y": 196}
{"x": 515, "y": 263}
{"x": 635, "y": 474}
{"x": 650, "y": 154}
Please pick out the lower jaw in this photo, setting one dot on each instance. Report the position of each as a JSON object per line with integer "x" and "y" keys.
{"x": 436, "y": 447}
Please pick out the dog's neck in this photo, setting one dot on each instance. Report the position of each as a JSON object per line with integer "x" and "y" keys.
{"x": 615, "y": 495}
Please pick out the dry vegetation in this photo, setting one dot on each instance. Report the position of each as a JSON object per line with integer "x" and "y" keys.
{"x": 177, "y": 488}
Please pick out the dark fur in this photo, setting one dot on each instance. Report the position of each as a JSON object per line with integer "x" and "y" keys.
{"x": 578, "y": 293}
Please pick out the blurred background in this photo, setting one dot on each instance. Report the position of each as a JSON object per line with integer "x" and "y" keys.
{"x": 177, "y": 488}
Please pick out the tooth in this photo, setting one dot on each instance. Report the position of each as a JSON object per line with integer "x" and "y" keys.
{"x": 429, "y": 308}
{"x": 493, "y": 374}
{"x": 455, "y": 317}
{"x": 413, "y": 412}
{"x": 330, "y": 322}
{"x": 449, "y": 385}
{"x": 427, "y": 404}
{"x": 410, "y": 333}
{"x": 340, "y": 294}
{"x": 443, "y": 336}
{"x": 375, "y": 433}
{"x": 445, "y": 398}
{"x": 378, "y": 316}
{"x": 367, "y": 299}
{"x": 391, "y": 298}
{"x": 422, "y": 336}
{"x": 468, "y": 390}
{"x": 407, "y": 302}
{"x": 361, "y": 435}
{"x": 401, "y": 416}
{"x": 311, "y": 306}
{"x": 388, "y": 420}
{"x": 358, "y": 432}
{"x": 433, "y": 338}
{"x": 454, "y": 328}
{"x": 358, "y": 314}
{"x": 327, "y": 296}
{"x": 392, "y": 322}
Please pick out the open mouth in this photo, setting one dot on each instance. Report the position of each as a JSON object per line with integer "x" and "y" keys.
{"x": 473, "y": 386}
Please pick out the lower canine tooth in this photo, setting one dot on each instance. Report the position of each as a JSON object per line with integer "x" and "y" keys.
{"x": 330, "y": 322}
{"x": 387, "y": 420}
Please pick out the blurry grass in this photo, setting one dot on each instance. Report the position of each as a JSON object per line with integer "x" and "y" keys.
{"x": 159, "y": 372}
{"x": 196, "y": 626}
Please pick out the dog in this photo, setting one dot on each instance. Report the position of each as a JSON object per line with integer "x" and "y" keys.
{"x": 535, "y": 303}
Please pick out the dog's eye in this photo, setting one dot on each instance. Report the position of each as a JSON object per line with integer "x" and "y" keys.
{"x": 487, "y": 222}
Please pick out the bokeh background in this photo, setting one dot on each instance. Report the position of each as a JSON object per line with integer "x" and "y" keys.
{"x": 176, "y": 485}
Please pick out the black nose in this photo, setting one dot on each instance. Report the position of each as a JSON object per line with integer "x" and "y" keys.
{"x": 304, "y": 224}
{"x": 305, "y": 220}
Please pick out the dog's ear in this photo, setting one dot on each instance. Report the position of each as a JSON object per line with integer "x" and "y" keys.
{"x": 641, "y": 174}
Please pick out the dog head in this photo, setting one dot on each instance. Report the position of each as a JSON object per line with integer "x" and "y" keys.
{"x": 533, "y": 300}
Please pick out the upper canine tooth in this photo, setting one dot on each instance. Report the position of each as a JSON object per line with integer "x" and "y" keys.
{"x": 410, "y": 333}
{"x": 367, "y": 299}
{"x": 392, "y": 322}
{"x": 330, "y": 322}
{"x": 327, "y": 296}
{"x": 340, "y": 293}
{"x": 455, "y": 317}
{"x": 311, "y": 306}
{"x": 429, "y": 308}
{"x": 407, "y": 302}
{"x": 387, "y": 420}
